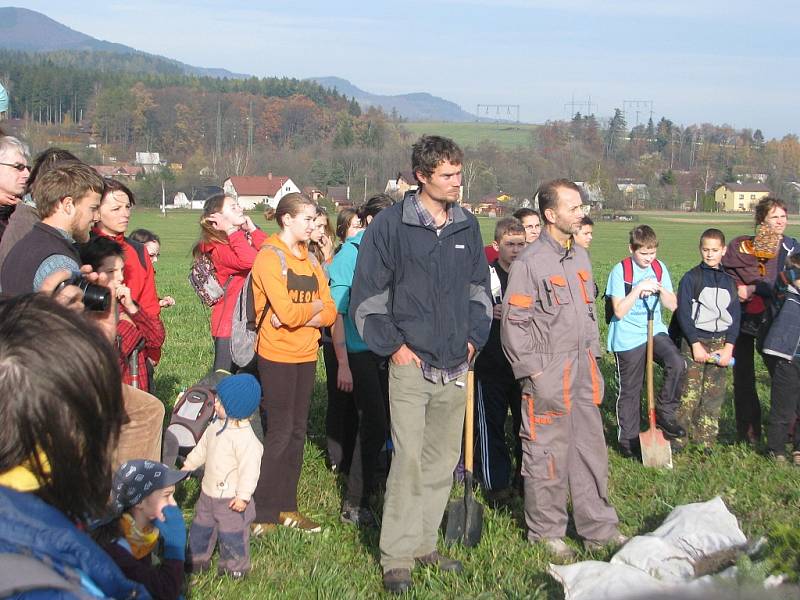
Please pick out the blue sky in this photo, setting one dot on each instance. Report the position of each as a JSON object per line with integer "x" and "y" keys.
{"x": 720, "y": 61}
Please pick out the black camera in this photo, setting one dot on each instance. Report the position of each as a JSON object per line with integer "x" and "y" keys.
{"x": 95, "y": 297}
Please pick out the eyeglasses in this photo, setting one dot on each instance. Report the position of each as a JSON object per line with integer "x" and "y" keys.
{"x": 18, "y": 166}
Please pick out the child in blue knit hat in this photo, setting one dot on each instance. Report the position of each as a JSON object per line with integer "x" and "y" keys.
{"x": 231, "y": 454}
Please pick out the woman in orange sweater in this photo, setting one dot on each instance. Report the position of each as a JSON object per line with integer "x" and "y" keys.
{"x": 290, "y": 283}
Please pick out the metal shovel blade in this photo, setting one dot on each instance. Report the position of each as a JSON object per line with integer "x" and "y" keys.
{"x": 656, "y": 449}
{"x": 464, "y": 518}
{"x": 465, "y": 515}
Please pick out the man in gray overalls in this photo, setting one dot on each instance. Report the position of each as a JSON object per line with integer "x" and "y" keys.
{"x": 549, "y": 334}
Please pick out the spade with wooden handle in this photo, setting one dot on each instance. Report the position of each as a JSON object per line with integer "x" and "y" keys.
{"x": 656, "y": 449}
{"x": 465, "y": 515}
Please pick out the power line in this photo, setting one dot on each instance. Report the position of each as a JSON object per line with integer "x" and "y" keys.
{"x": 501, "y": 111}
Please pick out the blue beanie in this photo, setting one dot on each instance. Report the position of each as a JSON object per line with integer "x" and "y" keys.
{"x": 240, "y": 395}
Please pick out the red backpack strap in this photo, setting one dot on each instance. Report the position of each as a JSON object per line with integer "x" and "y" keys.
{"x": 658, "y": 269}
{"x": 627, "y": 274}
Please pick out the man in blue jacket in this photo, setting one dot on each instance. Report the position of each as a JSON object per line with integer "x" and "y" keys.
{"x": 420, "y": 296}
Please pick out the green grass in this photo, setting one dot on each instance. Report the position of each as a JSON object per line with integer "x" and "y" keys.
{"x": 505, "y": 135}
{"x": 342, "y": 562}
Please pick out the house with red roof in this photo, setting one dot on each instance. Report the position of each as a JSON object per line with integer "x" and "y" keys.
{"x": 250, "y": 191}
{"x": 119, "y": 171}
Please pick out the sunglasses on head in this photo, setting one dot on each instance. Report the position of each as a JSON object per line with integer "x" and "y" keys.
{"x": 18, "y": 166}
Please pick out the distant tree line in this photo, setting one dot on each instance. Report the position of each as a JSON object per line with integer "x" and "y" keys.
{"x": 318, "y": 137}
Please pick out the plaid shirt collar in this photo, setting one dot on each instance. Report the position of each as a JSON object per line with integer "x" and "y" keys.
{"x": 425, "y": 216}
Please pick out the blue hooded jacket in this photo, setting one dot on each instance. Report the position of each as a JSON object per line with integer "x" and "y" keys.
{"x": 31, "y": 527}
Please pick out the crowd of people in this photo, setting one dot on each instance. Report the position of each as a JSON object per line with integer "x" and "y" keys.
{"x": 404, "y": 298}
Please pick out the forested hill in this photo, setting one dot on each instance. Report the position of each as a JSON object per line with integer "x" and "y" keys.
{"x": 129, "y": 103}
{"x": 31, "y": 31}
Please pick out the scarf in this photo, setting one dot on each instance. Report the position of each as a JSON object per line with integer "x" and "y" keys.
{"x": 141, "y": 542}
{"x": 23, "y": 478}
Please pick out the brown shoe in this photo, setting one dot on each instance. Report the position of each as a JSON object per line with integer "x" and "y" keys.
{"x": 397, "y": 581}
{"x": 296, "y": 520}
{"x": 615, "y": 541}
{"x": 259, "y": 529}
{"x": 435, "y": 559}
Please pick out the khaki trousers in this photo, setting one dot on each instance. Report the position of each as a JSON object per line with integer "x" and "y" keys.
{"x": 427, "y": 420}
{"x": 140, "y": 436}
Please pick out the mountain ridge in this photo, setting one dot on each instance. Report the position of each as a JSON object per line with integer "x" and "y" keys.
{"x": 27, "y": 30}
{"x": 413, "y": 106}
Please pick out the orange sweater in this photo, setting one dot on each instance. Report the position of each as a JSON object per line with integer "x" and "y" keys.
{"x": 290, "y": 298}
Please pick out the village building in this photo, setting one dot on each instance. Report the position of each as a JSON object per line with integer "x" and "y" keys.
{"x": 492, "y": 205}
{"x": 736, "y": 197}
{"x": 339, "y": 195}
{"x": 120, "y": 171}
{"x": 251, "y": 191}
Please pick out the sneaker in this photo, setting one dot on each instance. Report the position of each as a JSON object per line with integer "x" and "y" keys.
{"x": 197, "y": 567}
{"x": 558, "y": 547}
{"x": 296, "y": 520}
{"x": 614, "y": 541}
{"x": 630, "y": 449}
{"x": 435, "y": 559}
{"x": 259, "y": 529}
{"x": 360, "y": 516}
{"x": 232, "y": 574}
{"x": 779, "y": 459}
{"x": 796, "y": 458}
{"x": 500, "y": 498}
{"x": 397, "y": 581}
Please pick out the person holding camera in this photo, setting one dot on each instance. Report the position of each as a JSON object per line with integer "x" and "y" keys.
{"x": 67, "y": 198}
{"x": 140, "y": 334}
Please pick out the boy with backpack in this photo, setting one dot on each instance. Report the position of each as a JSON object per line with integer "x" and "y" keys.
{"x": 783, "y": 343}
{"x": 637, "y": 285}
{"x": 231, "y": 454}
{"x": 707, "y": 321}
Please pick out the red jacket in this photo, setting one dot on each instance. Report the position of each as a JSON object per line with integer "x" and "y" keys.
{"x": 232, "y": 260}
{"x": 140, "y": 278}
{"x": 141, "y": 328}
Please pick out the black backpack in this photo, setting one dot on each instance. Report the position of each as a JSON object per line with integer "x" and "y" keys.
{"x": 627, "y": 278}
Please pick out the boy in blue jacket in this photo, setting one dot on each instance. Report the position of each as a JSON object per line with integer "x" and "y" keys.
{"x": 709, "y": 315}
{"x": 635, "y": 283}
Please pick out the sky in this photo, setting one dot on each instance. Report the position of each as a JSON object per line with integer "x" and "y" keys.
{"x": 716, "y": 61}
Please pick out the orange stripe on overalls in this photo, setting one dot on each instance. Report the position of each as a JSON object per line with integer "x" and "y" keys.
{"x": 595, "y": 379}
{"x": 584, "y": 277}
{"x": 531, "y": 418}
{"x": 565, "y": 384}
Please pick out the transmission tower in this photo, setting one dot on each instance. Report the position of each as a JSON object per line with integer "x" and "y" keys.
{"x": 503, "y": 112}
{"x": 637, "y": 107}
{"x": 575, "y": 106}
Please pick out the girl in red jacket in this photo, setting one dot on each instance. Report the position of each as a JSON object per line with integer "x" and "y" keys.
{"x": 140, "y": 335}
{"x": 232, "y": 241}
{"x": 115, "y": 213}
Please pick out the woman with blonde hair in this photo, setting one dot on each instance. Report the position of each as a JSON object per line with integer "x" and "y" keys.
{"x": 291, "y": 286}
{"x": 231, "y": 240}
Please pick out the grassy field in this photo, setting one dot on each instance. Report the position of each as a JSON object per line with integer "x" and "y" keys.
{"x": 342, "y": 562}
{"x": 505, "y": 135}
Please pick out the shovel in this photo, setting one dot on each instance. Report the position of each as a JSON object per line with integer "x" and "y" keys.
{"x": 656, "y": 449}
{"x": 465, "y": 515}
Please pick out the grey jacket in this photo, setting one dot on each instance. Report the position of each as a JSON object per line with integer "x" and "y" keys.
{"x": 548, "y": 307}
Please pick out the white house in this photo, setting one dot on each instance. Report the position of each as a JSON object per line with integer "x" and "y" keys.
{"x": 181, "y": 200}
{"x": 251, "y": 191}
{"x": 149, "y": 161}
